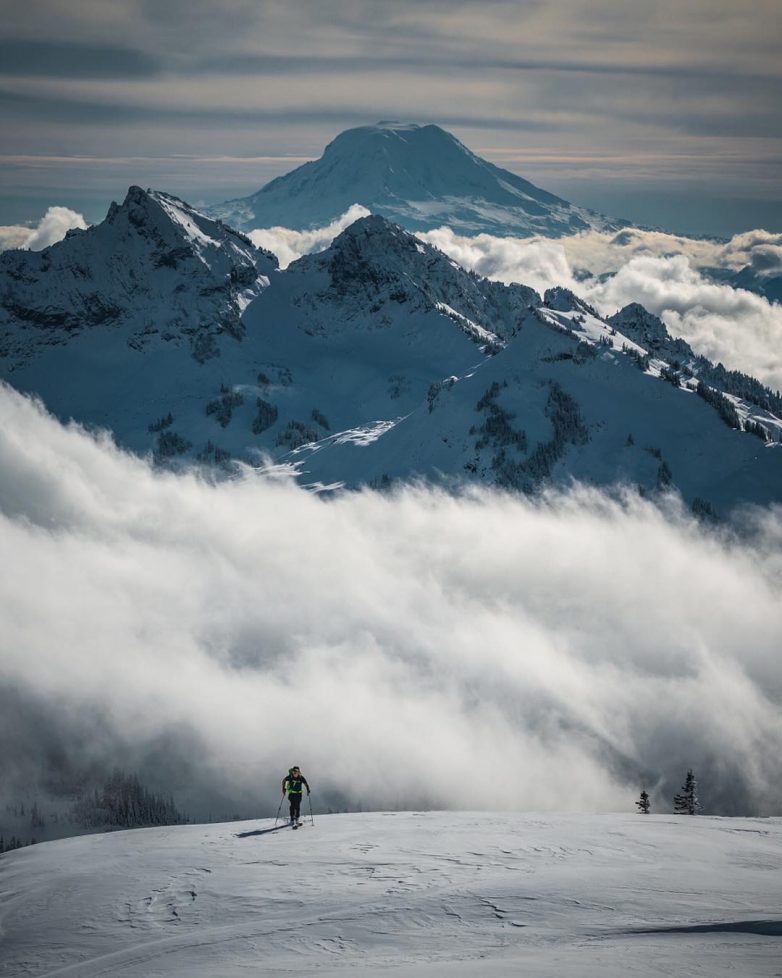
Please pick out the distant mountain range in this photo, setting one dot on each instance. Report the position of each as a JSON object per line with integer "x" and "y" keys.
{"x": 376, "y": 360}
{"x": 421, "y": 177}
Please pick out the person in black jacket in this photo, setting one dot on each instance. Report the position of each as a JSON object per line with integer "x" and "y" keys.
{"x": 295, "y": 781}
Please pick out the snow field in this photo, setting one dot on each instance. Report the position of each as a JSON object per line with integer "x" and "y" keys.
{"x": 404, "y": 894}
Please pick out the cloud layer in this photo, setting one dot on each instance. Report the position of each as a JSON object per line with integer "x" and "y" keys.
{"x": 412, "y": 649}
{"x": 52, "y": 227}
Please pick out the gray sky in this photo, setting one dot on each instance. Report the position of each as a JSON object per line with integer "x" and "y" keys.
{"x": 666, "y": 112}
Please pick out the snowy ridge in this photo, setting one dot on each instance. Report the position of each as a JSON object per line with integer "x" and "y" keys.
{"x": 412, "y": 894}
{"x": 419, "y": 176}
{"x": 472, "y": 329}
{"x": 589, "y": 327}
{"x": 376, "y": 360}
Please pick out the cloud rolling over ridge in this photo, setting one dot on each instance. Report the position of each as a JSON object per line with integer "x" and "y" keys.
{"x": 404, "y": 648}
{"x": 288, "y": 244}
{"x": 739, "y": 328}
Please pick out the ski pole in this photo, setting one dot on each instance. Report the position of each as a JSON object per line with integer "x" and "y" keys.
{"x": 276, "y": 817}
{"x": 309, "y": 799}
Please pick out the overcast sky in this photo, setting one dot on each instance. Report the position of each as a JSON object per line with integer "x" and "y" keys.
{"x": 666, "y": 112}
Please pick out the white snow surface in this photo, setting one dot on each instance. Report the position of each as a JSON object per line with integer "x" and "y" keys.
{"x": 408, "y": 894}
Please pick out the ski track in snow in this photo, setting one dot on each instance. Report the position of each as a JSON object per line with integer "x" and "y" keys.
{"x": 404, "y": 893}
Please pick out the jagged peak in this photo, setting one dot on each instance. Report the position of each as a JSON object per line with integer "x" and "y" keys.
{"x": 635, "y": 321}
{"x": 155, "y": 200}
{"x": 139, "y": 203}
{"x": 563, "y": 300}
{"x": 634, "y": 311}
{"x": 137, "y": 195}
{"x": 376, "y": 236}
{"x": 135, "y": 192}
{"x": 169, "y": 214}
{"x": 374, "y": 261}
{"x": 372, "y": 225}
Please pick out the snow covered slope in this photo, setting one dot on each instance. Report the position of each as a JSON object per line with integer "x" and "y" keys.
{"x": 404, "y": 894}
{"x": 419, "y": 176}
{"x": 155, "y": 267}
{"x": 381, "y": 359}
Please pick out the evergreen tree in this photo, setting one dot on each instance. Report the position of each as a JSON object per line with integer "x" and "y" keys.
{"x": 643, "y": 804}
{"x": 687, "y": 802}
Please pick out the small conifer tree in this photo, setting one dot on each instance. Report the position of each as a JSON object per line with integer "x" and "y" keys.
{"x": 687, "y": 802}
{"x": 643, "y": 804}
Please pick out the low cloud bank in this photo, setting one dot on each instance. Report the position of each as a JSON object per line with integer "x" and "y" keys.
{"x": 595, "y": 253}
{"x": 410, "y": 649}
{"x": 52, "y": 227}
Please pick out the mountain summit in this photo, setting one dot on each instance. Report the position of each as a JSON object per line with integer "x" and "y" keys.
{"x": 155, "y": 268}
{"x": 419, "y": 176}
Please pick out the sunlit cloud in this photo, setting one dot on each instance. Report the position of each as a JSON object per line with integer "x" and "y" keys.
{"x": 14, "y": 236}
{"x": 52, "y": 227}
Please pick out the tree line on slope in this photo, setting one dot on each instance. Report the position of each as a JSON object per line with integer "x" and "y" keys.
{"x": 122, "y": 802}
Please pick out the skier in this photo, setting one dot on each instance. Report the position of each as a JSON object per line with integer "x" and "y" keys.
{"x": 294, "y": 780}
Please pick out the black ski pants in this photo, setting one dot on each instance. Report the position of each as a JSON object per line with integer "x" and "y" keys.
{"x": 295, "y": 799}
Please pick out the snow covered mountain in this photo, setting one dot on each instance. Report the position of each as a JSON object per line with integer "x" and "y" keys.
{"x": 153, "y": 268}
{"x": 419, "y": 176}
{"x": 408, "y": 894}
{"x": 381, "y": 359}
